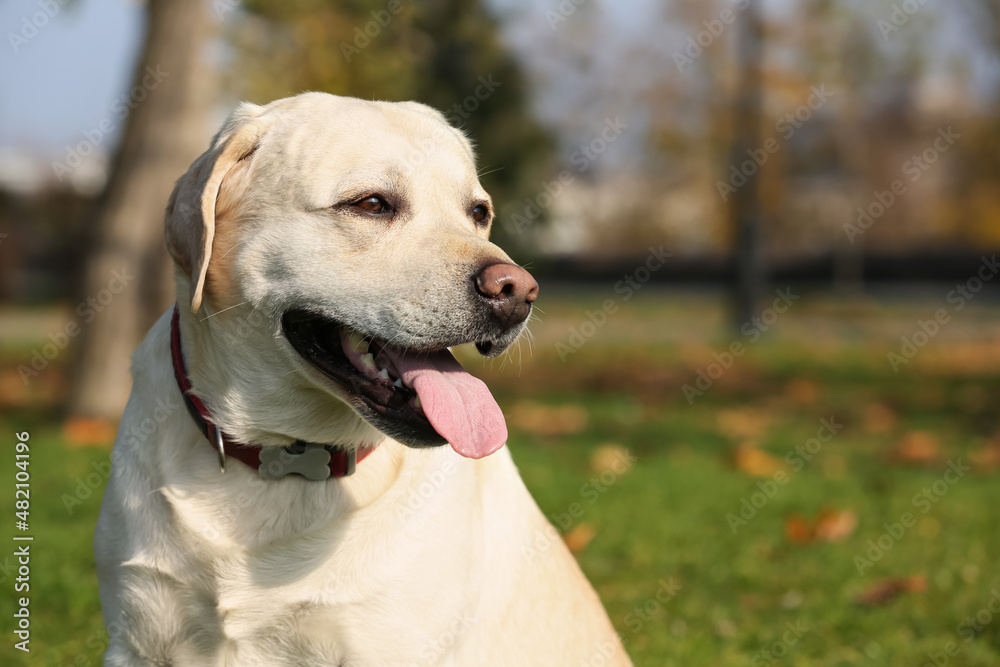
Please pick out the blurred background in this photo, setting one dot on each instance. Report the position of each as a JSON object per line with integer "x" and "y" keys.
{"x": 760, "y": 400}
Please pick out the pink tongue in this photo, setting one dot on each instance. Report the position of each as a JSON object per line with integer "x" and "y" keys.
{"x": 458, "y": 405}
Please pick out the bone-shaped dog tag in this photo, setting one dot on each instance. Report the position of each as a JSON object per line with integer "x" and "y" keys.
{"x": 310, "y": 461}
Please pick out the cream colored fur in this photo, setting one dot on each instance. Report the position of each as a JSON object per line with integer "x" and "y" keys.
{"x": 422, "y": 557}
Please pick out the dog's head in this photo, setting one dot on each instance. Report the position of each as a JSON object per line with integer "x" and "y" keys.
{"x": 360, "y": 230}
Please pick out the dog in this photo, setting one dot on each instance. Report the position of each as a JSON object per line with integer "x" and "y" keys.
{"x": 304, "y": 475}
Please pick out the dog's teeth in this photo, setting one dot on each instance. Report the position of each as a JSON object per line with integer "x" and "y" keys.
{"x": 384, "y": 374}
{"x": 398, "y": 383}
{"x": 358, "y": 342}
{"x": 368, "y": 362}
{"x": 416, "y": 402}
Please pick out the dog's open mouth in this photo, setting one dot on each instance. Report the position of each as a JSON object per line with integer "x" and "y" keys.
{"x": 421, "y": 398}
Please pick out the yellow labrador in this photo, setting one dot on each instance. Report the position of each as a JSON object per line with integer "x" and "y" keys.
{"x": 280, "y": 493}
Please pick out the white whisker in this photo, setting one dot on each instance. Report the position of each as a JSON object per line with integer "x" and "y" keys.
{"x": 231, "y": 249}
{"x": 218, "y": 312}
{"x": 490, "y": 172}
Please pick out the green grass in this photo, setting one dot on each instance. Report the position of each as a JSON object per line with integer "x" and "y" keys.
{"x": 65, "y": 608}
{"x": 665, "y": 519}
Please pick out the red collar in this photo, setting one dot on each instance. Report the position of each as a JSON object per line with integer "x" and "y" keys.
{"x": 306, "y": 459}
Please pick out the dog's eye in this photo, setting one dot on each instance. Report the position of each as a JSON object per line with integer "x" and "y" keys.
{"x": 480, "y": 214}
{"x": 372, "y": 204}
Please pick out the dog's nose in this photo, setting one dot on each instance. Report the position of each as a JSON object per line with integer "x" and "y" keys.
{"x": 509, "y": 289}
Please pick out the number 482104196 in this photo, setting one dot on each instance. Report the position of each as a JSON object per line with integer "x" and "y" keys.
{"x": 22, "y": 477}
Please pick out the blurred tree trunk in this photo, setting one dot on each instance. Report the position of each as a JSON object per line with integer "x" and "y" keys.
{"x": 749, "y": 274}
{"x": 129, "y": 276}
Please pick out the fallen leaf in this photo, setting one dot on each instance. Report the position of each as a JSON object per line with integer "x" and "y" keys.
{"x": 12, "y": 387}
{"x": 798, "y": 529}
{"x": 885, "y": 591}
{"x": 85, "y": 432}
{"x": 802, "y": 391}
{"x": 548, "y": 419}
{"x": 47, "y": 388}
{"x": 918, "y": 447}
{"x": 988, "y": 456}
{"x": 743, "y": 423}
{"x": 725, "y": 628}
{"x": 755, "y": 461}
{"x": 694, "y": 353}
{"x": 828, "y": 526}
{"x": 579, "y": 537}
{"x": 835, "y": 525}
{"x": 879, "y": 418}
{"x": 611, "y": 458}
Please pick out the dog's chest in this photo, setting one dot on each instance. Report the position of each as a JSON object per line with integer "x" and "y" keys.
{"x": 329, "y": 619}
{"x": 407, "y": 598}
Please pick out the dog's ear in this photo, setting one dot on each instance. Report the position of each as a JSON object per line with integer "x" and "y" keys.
{"x": 189, "y": 221}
